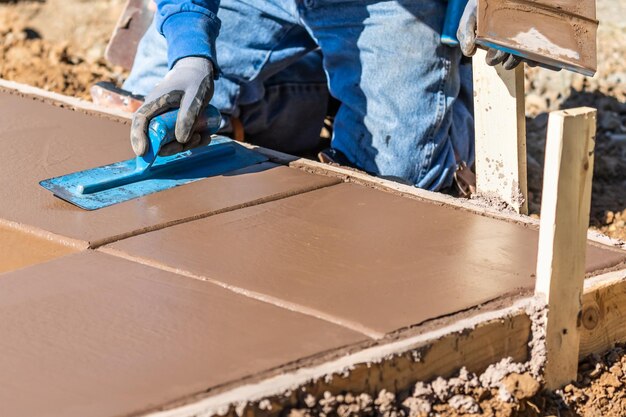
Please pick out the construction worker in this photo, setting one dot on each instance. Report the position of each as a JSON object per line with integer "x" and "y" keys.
{"x": 405, "y": 99}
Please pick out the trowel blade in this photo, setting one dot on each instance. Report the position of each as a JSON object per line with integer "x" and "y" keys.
{"x": 168, "y": 172}
{"x": 558, "y": 34}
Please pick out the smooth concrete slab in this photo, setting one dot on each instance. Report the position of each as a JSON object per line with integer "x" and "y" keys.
{"x": 20, "y": 249}
{"x": 41, "y": 141}
{"x": 363, "y": 256}
{"x": 95, "y": 335}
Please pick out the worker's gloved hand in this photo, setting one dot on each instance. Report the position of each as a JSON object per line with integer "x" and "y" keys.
{"x": 188, "y": 86}
{"x": 467, "y": 40}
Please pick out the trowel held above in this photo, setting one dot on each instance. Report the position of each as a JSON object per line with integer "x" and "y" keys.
{"x": 122, "y": 181}
{"x": 558, "y": 33}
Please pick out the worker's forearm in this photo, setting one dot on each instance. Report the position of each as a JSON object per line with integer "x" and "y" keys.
{"x": 190, "y": 27}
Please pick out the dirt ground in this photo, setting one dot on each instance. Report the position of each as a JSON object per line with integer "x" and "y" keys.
{"x": 600, "y": 391}
{"x": 59, "y": 45}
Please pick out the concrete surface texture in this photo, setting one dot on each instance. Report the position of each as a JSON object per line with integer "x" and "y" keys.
{"x": 219, "y": 282}
{"x": 44, "y": 141}
{"x": 95, "y": 335}
{"x": 371, "y": 260}
{"x": 21, "y": 249}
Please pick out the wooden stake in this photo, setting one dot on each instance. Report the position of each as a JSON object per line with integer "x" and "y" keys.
{"x": 562, "y": 236}
{"x": 500, "y": 125}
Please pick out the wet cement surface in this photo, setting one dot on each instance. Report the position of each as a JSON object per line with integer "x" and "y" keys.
{"x": 20, "y": 249}
{"x": 92, "y": 334}
{"x": 41, "y": 141}
{"x": 95, "y": 335}
{"x": 364, "y": 256}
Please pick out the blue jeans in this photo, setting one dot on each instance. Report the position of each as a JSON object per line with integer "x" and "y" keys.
{"x": 405, "y": 99}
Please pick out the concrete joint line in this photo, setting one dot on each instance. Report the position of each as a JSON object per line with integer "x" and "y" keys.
{"x": 277, "y": 302}
{"x": 220, "y": 403}
{"x": 314, "y": 167}
{"x": 263, "y": 200}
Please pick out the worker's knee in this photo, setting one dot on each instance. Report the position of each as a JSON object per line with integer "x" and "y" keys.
{"x": 410, "y": 128}
{"x": 401, "y": 153}
{"x": 398, "y": 86}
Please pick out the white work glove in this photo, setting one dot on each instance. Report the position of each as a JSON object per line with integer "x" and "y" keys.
{"x": 466, "y": 35}
{"x": 188, "y": 86}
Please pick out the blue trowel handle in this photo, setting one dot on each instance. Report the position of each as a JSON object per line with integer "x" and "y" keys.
{"x": 161, "y": 130}
{"x": 451, "y": 22}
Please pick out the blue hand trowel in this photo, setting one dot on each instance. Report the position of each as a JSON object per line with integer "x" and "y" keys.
{"x": 122, "y": 181}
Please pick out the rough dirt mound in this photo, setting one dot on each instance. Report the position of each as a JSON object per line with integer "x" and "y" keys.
{"x": 58, "y": 45}
{"x": 463, "y": 395}
{"x": 600, "y": 391}
{"x": 608, "y": 206}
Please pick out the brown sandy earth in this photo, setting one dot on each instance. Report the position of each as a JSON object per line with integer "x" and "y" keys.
{"x": 59, "y": 45}
{"x": 600, "y": 391}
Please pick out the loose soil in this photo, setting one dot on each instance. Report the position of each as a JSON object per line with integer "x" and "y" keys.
{"x": 599, "y": 391}
{"x": 59, "y": 45}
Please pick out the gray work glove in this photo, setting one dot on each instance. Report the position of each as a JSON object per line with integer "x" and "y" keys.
{"x": 467, "y": 40}
{"x": 188, "y": 86}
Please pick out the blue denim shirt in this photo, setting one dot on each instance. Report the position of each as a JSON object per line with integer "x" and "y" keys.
{"x": 405, "y": 103}
{"x": 190, "y": 27}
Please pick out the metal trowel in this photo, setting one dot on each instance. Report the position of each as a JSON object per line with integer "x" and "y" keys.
{"x": 122, "y": 181}
{"x": 553, "y": 33}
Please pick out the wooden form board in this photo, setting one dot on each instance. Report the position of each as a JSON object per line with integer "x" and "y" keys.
{"x": 603, "y": 313}
{"x": 562, "y": 236}
{"x": 61, "y": 100}
{"x": 441, "y": 351}
{"x": 130, "y": 28}
{"x": 500, "y": 127}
